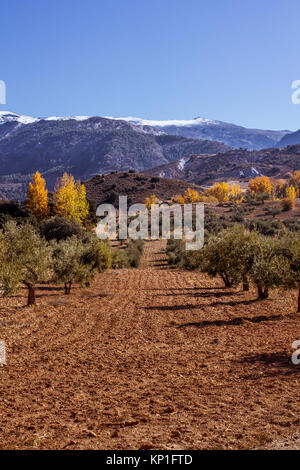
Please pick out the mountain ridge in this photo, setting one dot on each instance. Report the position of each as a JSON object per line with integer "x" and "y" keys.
{"x": 85, "y": 147}
{"x": 198, "y": 128}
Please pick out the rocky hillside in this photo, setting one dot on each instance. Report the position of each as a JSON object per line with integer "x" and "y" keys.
{"x": 234, "y": 164}
{"x": 136, "y": 187}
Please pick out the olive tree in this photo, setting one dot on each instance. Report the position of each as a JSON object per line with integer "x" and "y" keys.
{"x": 268, "y": 266}
{"x": 25, "y": 258}
{"x": 226, "y": 255}
{"x": 78, "y": 261}
{"x": 289, "y": 247}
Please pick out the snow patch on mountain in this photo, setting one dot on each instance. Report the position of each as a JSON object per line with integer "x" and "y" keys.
{"x": 181, "y": 163}
{"x": 249, "y": 173}
{"x": 67, "y": 118}
{"x": 171, "y": 122}
{"x": 7, "y": 116}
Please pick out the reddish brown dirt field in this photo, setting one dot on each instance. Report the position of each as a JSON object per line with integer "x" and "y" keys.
{"x": 149, "y": 358}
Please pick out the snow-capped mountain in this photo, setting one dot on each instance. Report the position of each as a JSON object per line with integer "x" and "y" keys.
{"x": 199, "y": 121}
{"x": 199, "y": 128}
{"x": 84, "y": 147}
{"x": 202, "y": 128}
{"x": 7, "y": 116}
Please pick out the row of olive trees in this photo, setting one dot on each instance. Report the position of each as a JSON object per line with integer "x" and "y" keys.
{"x": 239, "y": 256}
{"x": 27, "y": 258}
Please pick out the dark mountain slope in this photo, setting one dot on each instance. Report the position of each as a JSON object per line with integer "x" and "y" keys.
{"x": 85, "y": 148}
{"x": 290, "y": 139}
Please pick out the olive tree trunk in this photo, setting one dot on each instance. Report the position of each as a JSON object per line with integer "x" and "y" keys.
{"x": 31, "y": 294}
{"x": 263, "y": 292}
{"x": 226, "y": 280}
{"x": 245, "y": 284}
{"x": 68, "y": 286}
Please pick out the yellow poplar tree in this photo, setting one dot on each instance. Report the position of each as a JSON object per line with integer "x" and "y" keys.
{"x": 82, "y": 204}
{"x": 220, "y": 191}
{"x": 37, "y": 197}
{"x": 295, "y": 180}
{"x": 191, "y": 195}
{"x": 179, "y": 199}
{"x": 288, "y": 202}
{"x": 260, "y": 184}
{"x": 280, "y": 188}
{"x": 291, "y": 192}
{"x": 236, "y": 193}
{"x": 150, "y": 200}
{"x": 69, "y": 199}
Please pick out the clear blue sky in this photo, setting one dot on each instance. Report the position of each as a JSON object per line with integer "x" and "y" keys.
{"x": 232, "y": 60}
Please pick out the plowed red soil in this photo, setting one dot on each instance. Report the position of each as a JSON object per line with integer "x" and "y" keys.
{"x": 149, "y": 358}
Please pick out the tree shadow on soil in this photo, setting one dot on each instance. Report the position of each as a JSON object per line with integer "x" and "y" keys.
{"x": 199, "y": 306}
{"x": 234, "y": 321}
{"x": 277, "y": 363}
{"x": 186, "y": 288}
{"x": 203, "y": 294}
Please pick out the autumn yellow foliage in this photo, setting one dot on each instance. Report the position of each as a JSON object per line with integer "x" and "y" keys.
{"x": 220, "y": 191}
{"x": 190, "y": 196}
{"x": 37, "y": 197}
{"x": 260, "y": 184}
{"x": 69, "y": 199}
{"x": 150, "y": 200}
{"x": 295, "y": 181}
{"x": 280, "y": 188}
{"x": 290, "y": 192}
{"x": 236, "y": 193}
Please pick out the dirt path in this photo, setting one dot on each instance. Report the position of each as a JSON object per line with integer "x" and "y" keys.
{"x": 148, "y": 358}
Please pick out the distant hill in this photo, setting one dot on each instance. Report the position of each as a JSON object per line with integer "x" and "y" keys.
{"x": 290, "y": 139}
{"x": 137, "y": 187}
{"x": 234, "y": 164}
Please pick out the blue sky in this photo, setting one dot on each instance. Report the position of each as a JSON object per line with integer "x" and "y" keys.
{"x": 231, "y": 60}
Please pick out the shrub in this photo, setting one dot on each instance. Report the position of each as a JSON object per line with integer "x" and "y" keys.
{"x": 10, "y": 210}
{"x": 265, "y": 227}
{"x": 112, "y": 198}
{"x": 272, "y": 210}
{"x": 119, "y": 259}
{"x": 292, "y": 224}
{"x": 59, "y": 228}
{"x": 175, "y": 251}
{"x": 134, "y": 252}
{"x": 287, "y": 204}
